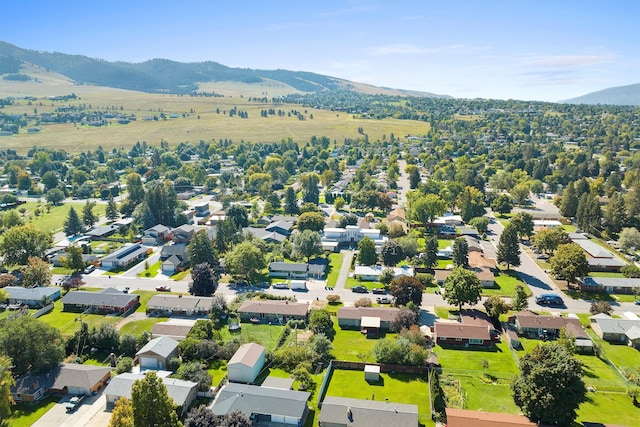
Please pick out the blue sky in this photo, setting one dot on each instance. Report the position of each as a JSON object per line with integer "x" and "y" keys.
{"x": 537, "y": 49}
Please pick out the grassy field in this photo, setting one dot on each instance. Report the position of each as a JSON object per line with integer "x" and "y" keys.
{"x": 351, "y": 345}
{"x": 25, "y": 415}
{"x": 197, "y": 121}
{"x": 461, "y": 361}
{"x": 335, "y": 264}
{"x": 265, "y": 335}
{"x": 400, "y": 388}
{"x": 68, "y": 323}
{"x": 505, "y": 285}
{"x": 137, "y": 327}
{"x": 53, "y": 221}
{"x": 152, "y": 271}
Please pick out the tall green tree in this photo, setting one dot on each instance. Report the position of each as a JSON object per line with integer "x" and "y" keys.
{"x": 200, "y": 250}
{"x": 239, "y": 215}
{"x": 310, "y": 191}
{"x": 462, "y": 287}
{"x": 320, "y": 323}
{"x": 509, "y": 247}
{"x": 496, "y": 306}
{"x": 290, "y": 202}
{"x": 391, "y": 253}
{"x": 6, "y": 382}
{"x": 460, "y": 252}
{"x": 112, "y": 209}
{"x": 31, "y": 344}
{"x": 523, "y": 221}
{"x": 122, "y": 414}
{"x": 367, "y": 251}
{"x": 313, "y": 221}
{"x": 481, "y": 223}
{"x": 245, "y": 261}
{"x": 407, "y": 289}
{"x": 36, "y": 273}
{"x": 549, "y": 387}
{"x": 502, "y": 204}
{"x": 471, "y": 203}
{"x": 430, "y": 258}
{"x": 203, "y": 280}
{"x": 425, "y": 209}
{"x": 88, "y": 217}
{"x": 629, "y": 238}
{"x": 549, "y": 239}
{"x": 307, "y": 243}
{"x": 569, "y": 203}
{"x": 20, "y": 243}
{"x": 569, "y": 262}
{"x": 519, "y": 298}
{"x": 73, "y": 225}
{"x": 589, "y": 214}
{"x": 615, "y": 216}
{"x": 151, "y": 403}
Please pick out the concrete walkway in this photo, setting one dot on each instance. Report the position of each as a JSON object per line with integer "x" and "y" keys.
{"x": 347, "y": 257}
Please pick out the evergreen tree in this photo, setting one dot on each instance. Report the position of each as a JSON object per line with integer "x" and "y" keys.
{"x": 508, "y": 247}
{"x": 73, "y": 225}
{"x": 239, "y": 215}
{"x": 460, "y": 252}
{"x": 589, "y": 214}
{"x": 204, "y": 281}
{"x": 615, "y": 217}
{"x": 151, "y": 403}
{"x": 569, "y": 204}
{"x": 112, "y": 209}
{"x": 430, "y": 251}
{"x": 88, "y": 217}
{"x": 519, "y": 298}
{"x": 200, "y": 250}
{"x": 290, "y": 202}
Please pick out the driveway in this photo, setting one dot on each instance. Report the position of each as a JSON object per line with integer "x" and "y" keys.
{"x": 347, "y": 257}
{"x": 92, "y": 412}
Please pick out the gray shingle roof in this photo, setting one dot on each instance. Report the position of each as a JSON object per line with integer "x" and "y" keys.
{"x": 274, "y": 307}
{"x": 105, "y": 298}
{"x": 367, "y": 413}
{"x": 177, "y": 389}
{"x": 250, "y": 399}
{"x": 176, "y": 302}
{"x": 161, "y": 346}
{"x": 20, "y": 293}
{"x": 386, "y": 314}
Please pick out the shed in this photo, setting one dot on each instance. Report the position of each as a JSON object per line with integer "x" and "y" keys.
{"x": 372, "y": 373}
{"x": 246, "y": 363}
{"x": 157, "y": 353}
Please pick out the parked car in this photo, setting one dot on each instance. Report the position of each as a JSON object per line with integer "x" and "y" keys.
{"x": 360, "y": 289}
{"x": 549, "y": 299}
{"x": 163, "y": 289}
{"x": 543, "y": 256}
{"x": 280, "y": 285}
{"x": 384, "y": 300}
{"x": 379, "y": 291}
{"x": 637, "y": 302}
{"x": 89, "y": 269}
{"x": 74, "y": 403}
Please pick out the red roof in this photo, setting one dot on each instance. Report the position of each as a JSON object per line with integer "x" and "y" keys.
{"x": 460, "y": 330}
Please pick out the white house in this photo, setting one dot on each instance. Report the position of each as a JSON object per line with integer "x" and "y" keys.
{"x": 371, "y": 273}
{"x": 246, "y": 363}
{"x": 332, "y": 238}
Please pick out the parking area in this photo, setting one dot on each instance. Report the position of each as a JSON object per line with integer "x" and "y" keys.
{"x": 92, "y": 412}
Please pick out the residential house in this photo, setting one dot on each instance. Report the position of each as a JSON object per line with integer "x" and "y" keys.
{"x": 485, "y": 275}
{"x": 539, "y": 224}
{"x": 370, "y": 320}
{"x": 272, "y": 311}
{"x": 174, "y": 257}
{"x": 599, "y": 258}
{"x": 618, "y": 285}
{"x": 57, "y": 259}
{"x": 33, "y": 297}
{"x": 286, "y": 218}
{"x": 202, "y": 209}
{"x": 178, "y": 329}
{"x": 335, "y": 238}
{"x": 280, "y": 227}
{"x": 263, "y": 405}
{"x": 534, "y": 325}
{"x": 288, "y": 270}
{"x": 101, "y": 232}
{"x": 66, "y": 378}
{"x": 371, "y": 273}
{"x": 451, "y": 220}
{"x": 264, "y": 234}
{"x": 108, "y": 300}
{"x": 246, "y": 363}
{"x": 467, "y": 418}
{"x": 156, "y": 353}
{"x": 125, "y": 256}
{"x": 617, "y": 330}
{"x": 178, "y": 305}
{"x": 183, "y": 393}
{"x": 348, "y": 412}
{"x": 183, "y": 234}
{"x": 156, "y": 235}
{"x": 473, "y": 330}
{"x": 398, "y": 214}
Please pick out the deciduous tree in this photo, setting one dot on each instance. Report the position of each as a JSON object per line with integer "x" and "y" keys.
{"x": 495, "y": 306}
{"x": 245, "y": 261}
{"x": 20, "y": 243}
{"x": 367, "y": 251}
{"x": 407, "y": 289}
{"x": 151, "y": 403}
{"x": 425, "y": 209}
{"x": 549, "y": 387}
{"x": 569, "y": 262}
{"x": 311, "y": 221}
{"x": 203, "y": 280}
{"x": 462, "y": 287}
{"x": 481, "y": 223}
{"x": 502, "y": 204}
{"x": 523, "y": 222}
{"x": 36, "y": 273}
{"x": 306, "y": 244}
{"x": 391, "y": 253}
{"x": 72, "y": 258}
{"x": 629, "y": 238}
{"x": 239, "y": 215}
{"x": 6, "y": 382}
{"x": 519, "y": 298}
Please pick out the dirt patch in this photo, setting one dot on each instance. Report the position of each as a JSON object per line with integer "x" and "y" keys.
{"x": 318, "y": 305}
{"x": 304, "y": 336}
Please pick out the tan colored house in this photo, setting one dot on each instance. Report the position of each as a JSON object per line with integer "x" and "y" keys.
{"x": 264, "y": 311}
{"x": 246, "y": 363}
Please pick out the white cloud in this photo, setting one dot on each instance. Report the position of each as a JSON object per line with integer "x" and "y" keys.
{"x": 567, "y": 61}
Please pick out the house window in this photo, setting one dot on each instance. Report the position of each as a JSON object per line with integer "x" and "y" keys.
{"x": 475, "y": 341}
{"x": 458, "y": 339}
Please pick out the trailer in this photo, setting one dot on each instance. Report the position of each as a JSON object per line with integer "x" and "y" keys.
{"x": 298, "y": 285}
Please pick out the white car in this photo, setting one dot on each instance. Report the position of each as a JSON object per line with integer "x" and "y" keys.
{"x": 280, "y": 285}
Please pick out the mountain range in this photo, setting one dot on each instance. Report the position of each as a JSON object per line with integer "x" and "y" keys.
{"x": 166, "y": 76}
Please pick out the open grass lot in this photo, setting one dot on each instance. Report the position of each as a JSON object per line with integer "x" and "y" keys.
{"x": 351, "y": 345}
{"x": 335, "y": 264}
{"x": 476, "y": 389}
{"x": 505, "y": 285}
{"x": 610, "y": 408}
{"x": 68, "y": 323}
{"x": 352, "y": 281}
{"x": 53, "y": 221}
{"x": 137, "y": 327}
{"x": 400, "y": 388}
{"x": 620, "y": 355}
{"x": 193, "y": 127}
{"x": 598, "y": 296}
{"x": 152, "y": 271}
{"x": 25, "y": 415}
{"x": 469, "y": 361}
{"x": 265, "y": 335}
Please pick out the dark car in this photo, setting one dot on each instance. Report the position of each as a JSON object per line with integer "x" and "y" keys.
{"x": 637, "y": 302}
{"x": 360, "y": 289}
{"x": 549, "y": 299}
{"x": 163, "y": 289}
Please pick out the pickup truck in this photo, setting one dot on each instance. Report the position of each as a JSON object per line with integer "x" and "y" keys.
{"x": 74, "y": 403}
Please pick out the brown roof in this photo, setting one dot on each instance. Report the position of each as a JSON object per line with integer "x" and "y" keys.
{"x": 475, "y": 318}
{"x": 466, "y": 418}
{"x": 274, "y": 307}
{"x": 460, "y": 330}
{"x": 385, "y": 314}
{"x": 248, "y": 354}
{"x": 551, "y": 322}
{"x": 170, "y": 329}
{"x": 477, "y": 259}
{"x": 397, "y": 212}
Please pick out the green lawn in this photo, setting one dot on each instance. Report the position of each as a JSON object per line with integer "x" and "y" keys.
{"x": 610, "y": 408}
{"x": 265, "y": 335}
{"x": 443, "y": 263}
{"x": 400, "y": 388}
{"x": 461, "y": 361}
{"x": 352, "y": 281}
{"x": 505, "y": 285}
{"x": 152, "y": 271}
{"x": 25, "y": 415}
{"x": 145, "y": 296}
{"x": 54, "y": 220}
{"x": 351, "y": 345}
{"x": 181, "y": 274}
{"x": 476, "y": 389}
{"x": 68, "y": 323}
{"x": 137, "y": 327}
{"x": 335, "y": 264}
{"x": 620, "y": 355}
